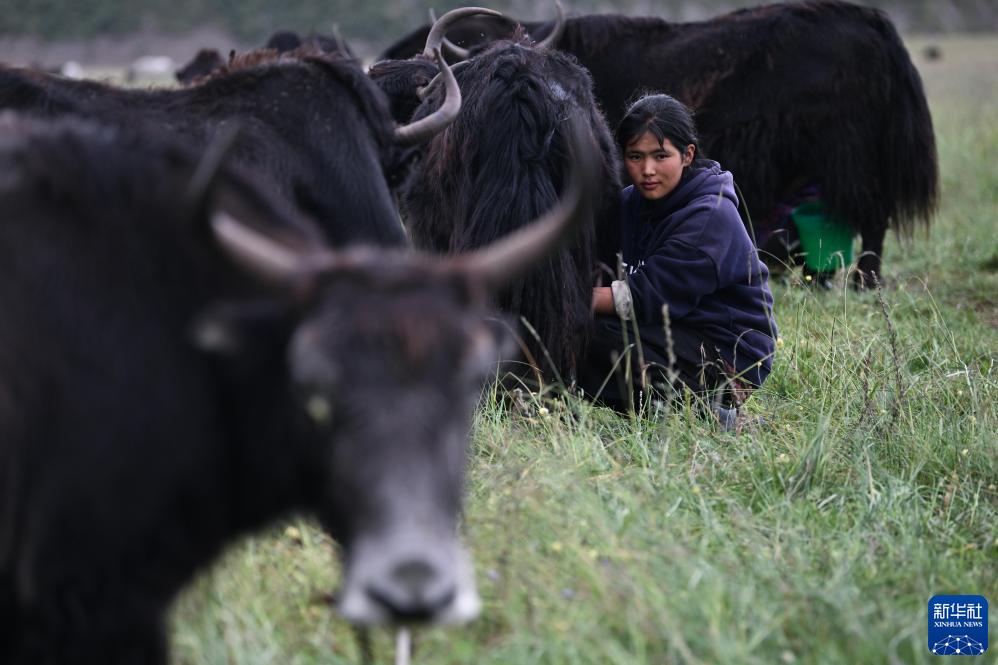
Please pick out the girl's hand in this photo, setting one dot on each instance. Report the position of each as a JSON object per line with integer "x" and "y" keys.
{"x": 603, "y": 300}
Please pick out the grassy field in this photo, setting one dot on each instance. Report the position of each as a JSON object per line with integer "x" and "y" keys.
{"x": 816, "y": 538}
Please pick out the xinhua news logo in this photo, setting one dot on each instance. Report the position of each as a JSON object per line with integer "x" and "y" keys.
{"x": 958, "y": 625}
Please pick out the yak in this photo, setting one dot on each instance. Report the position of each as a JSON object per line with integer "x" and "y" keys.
{"x": 314, "y": 125}
{"x": 820, "y": 92}
{"x": 498, "y": 165}
{"x": 184, "y": 360}
{"x": 207, "y": 61}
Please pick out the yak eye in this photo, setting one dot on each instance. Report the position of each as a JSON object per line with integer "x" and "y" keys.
{"x": 318, "y": 408}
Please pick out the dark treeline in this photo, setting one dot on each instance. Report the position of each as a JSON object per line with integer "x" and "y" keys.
{"x": 373, "y": 20}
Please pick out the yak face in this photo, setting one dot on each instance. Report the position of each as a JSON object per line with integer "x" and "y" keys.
{"x": 389, "y": 374}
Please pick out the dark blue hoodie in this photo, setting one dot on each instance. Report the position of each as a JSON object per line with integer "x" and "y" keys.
{"x": 690, "y": 250}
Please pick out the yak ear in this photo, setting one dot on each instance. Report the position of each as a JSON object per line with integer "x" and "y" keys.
{"x": 199, "y": 198}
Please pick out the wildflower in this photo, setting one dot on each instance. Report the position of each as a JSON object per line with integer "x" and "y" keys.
{"x": 543, "y": 411}
{"x": 965, "y": 452}
{"x": 556, "y": 547}
{"x": 783, "y": 457}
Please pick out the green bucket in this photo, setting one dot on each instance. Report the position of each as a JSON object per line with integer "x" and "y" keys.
{"x": 825, "y": 240}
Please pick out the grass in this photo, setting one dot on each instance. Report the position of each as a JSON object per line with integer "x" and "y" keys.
{"x": 816, "y": 538}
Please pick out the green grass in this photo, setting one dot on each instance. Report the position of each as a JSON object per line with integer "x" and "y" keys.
{"x": 816, "y": 538}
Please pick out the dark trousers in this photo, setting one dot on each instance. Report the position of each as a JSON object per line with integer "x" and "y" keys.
{"x": 699, "y": 366}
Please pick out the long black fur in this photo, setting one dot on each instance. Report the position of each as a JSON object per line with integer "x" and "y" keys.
{"x": 502, "y": 164}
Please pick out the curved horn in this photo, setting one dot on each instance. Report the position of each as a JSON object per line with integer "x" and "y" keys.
{"x": 455, "y": 51}
{"x": 424, "y": 128}
{"x": 551, "y": 41}
{"x": 209, "y": 168}
{"x": 515, "y": 254}
{"x": 276, "y": 262}
{"x": 436, "y": 38}
{"x": 425, "y": 91}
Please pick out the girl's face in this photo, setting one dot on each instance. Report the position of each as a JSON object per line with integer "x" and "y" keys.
{"x": 655, "y": 169}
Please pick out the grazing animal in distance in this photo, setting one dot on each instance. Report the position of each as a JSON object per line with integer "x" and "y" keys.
{"x": 204, "y": 62}
{"x": 207, "y": 61}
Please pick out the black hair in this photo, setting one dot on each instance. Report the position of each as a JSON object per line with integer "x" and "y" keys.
{"x": 662, "y": 115}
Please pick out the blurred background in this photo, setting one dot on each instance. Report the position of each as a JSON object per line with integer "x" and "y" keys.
{"x": 114, "y": 32}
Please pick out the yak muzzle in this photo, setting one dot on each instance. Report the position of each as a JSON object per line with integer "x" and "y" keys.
{"x": 409, "y": 579}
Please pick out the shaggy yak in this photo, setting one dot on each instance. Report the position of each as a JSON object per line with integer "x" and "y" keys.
{"x": 500, "y": 164}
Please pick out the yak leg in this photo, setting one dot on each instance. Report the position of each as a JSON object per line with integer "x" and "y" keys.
{"x": 868, "y": 268}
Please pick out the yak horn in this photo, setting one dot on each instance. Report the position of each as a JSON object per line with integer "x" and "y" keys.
{"x": 551, "y": 41}
{"x": 424, "y": 128}
{"x": 273, "y": 261}
{"x": 517, "y": 253}
{"x": 209, "y": 168}
{"x": 454, "y": 51}
{"x": 438, "y": 30}
{"x": 424, "y": 91}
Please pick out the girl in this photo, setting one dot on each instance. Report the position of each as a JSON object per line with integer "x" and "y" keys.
{"x": 683, "y": 248}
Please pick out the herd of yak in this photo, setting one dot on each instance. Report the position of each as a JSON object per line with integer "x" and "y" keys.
{"x": 281, "y": 287}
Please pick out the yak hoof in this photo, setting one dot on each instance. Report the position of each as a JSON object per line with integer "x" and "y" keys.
{"x": 865, "y": 281}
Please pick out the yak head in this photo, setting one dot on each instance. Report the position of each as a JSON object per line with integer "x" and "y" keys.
{"x": 386, "y": 358}
{"x": 401, "y": 80}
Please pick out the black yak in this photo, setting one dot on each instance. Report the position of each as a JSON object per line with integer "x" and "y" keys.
{"x": 500, "y": 164}
{"x": 820, "y": 93}
{"x": 182, "y": 361}
{"x": 315, "y": 125}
